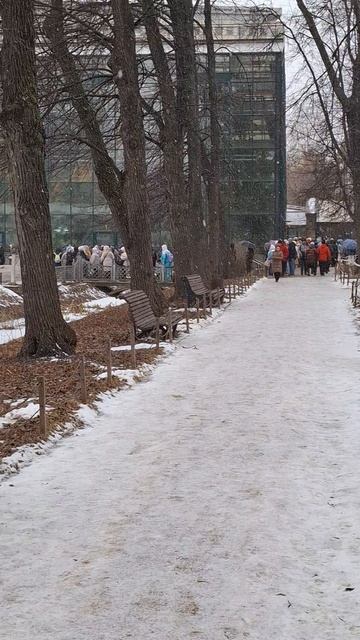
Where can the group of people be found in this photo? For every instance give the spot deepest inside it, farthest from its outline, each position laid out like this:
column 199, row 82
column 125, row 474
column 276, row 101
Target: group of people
column 105, row 257
column 284, row 256
column 96, row 257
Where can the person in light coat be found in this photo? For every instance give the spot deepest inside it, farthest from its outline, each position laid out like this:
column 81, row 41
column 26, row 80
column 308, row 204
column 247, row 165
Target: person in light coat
column 277, row 262
column 107, row 260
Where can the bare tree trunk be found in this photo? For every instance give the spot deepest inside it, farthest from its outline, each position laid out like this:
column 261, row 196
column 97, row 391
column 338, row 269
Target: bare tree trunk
column 216, row 211
column 181, row 13
column 181, row 217
column 125, row 192
column 46, row 331
column 125, row 72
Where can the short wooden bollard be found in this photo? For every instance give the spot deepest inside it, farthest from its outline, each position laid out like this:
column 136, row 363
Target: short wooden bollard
column 133, row 350
column 197, row 311
column 42, row 407
column 238, row 286
column 210, row 304
column 109, row 363
column 187, row 317
column 234, row 290
column 84, row 396
column 229, row 292
column 218, row 298
column 157, row 334
column 170, row 326
column 204, row 306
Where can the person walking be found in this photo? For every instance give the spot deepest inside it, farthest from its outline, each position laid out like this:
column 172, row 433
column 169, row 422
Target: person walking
column 311, row 259
column 285, row 251
column 302, row 257
column 277, row 261
column 292, row 256
column 324, row 256
column 334, row 252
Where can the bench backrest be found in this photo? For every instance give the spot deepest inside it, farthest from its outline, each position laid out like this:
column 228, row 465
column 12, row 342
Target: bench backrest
column 140, row 309
column 196, row 284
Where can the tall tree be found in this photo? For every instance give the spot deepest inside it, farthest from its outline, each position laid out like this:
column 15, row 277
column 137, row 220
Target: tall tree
column 125, row 72
column 182, row 22
column 46, row 331
column 333, row 28
column 216, row 212
column 124, row 191
column 172, row 145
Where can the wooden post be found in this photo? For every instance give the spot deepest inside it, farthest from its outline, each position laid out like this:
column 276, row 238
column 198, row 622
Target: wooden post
column 197, row 311
column 218, row 298
column 84, row 397
column 170, row 326
column 238, row 285
column 204, row 306
column 187, row 317
column 210, row 303
column 133, row 350
column 229, row 292
column 109, row 363
column 157, row 335
column 42, row 407
column 234, row 290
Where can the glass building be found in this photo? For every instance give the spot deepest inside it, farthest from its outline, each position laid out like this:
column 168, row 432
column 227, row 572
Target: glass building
column 251, row 81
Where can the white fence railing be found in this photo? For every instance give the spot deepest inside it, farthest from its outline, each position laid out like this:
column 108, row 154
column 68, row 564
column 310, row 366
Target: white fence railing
column 82, row 271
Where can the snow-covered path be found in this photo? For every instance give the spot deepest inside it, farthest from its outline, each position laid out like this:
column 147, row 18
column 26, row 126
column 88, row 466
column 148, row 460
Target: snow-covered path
column 220, row 499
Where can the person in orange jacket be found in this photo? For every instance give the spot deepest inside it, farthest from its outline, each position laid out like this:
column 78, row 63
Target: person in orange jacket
column 324, row 256
column 285, row 251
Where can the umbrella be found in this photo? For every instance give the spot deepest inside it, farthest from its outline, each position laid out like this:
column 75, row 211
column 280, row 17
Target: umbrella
column 247, row 243
column 349, row 246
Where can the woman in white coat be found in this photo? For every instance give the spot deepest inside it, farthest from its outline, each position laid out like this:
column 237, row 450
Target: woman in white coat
column 107, row 260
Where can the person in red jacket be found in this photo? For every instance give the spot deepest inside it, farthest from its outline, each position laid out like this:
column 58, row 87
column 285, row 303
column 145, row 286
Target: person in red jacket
column 324, row 256
column 285, row 251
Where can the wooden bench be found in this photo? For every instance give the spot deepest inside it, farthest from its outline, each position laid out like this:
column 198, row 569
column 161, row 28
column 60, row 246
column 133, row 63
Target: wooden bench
column 143, row 317
column 196, row 290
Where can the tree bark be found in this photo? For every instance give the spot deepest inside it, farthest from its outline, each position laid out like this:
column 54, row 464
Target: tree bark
column 216, row 211
column 125, row 191
column 173, row 151
column 125, row 72
column 46, row 332
column 181, row 13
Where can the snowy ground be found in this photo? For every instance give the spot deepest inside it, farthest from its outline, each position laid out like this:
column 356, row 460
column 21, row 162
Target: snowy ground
column 14, row 329
column 220, row 499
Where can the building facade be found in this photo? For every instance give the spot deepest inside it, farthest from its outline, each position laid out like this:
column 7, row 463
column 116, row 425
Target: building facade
column 251, row 80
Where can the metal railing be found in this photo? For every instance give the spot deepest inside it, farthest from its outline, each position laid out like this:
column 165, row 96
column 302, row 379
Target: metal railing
column 82, row 271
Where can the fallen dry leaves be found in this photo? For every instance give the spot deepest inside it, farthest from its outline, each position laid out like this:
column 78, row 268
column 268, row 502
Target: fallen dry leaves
column 20, row 379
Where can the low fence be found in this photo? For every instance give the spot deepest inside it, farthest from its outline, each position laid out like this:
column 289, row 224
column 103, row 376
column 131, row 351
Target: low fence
column 348, row 272
column 82, row 271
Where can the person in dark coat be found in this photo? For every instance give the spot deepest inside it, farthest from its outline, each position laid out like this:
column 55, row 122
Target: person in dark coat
column 311, row 259
column 2, row 256
column 249, row 259
column 292, row 257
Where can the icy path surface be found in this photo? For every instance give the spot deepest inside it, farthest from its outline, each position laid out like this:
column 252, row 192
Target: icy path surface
column 220, row 499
